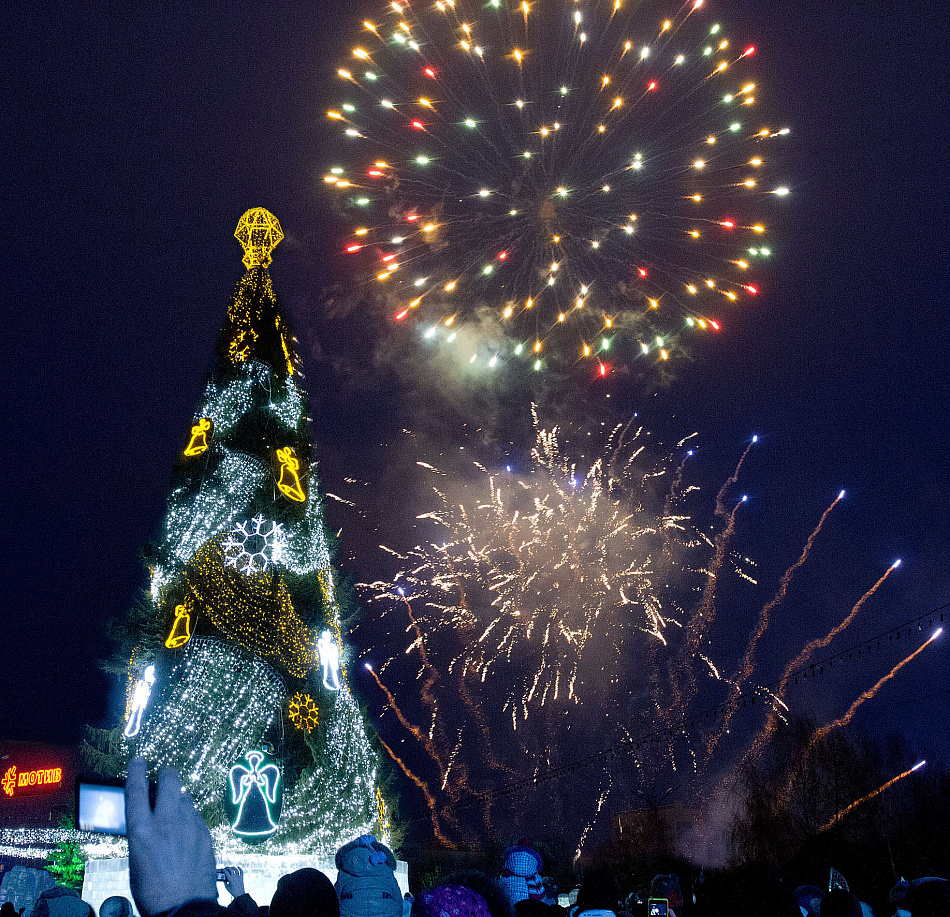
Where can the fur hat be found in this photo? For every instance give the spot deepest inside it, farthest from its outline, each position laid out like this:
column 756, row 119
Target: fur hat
column 365, row 883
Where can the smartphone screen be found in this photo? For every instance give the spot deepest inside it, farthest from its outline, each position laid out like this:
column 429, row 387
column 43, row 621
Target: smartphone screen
column 658, row 907
column 100, row 807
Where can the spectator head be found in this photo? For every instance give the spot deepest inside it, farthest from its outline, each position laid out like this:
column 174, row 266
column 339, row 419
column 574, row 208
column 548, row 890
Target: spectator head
column 839, row 903
column 667, row 886
column 487, row 888
column 366, row 882
column 304, row 893
column 929, row 899
column 116, row 906
column 809, row 898
column 60, row 901
column 457, row 900
column 598, row 892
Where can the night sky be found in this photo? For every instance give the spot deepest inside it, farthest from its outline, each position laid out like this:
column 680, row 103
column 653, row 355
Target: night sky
column 135, row 140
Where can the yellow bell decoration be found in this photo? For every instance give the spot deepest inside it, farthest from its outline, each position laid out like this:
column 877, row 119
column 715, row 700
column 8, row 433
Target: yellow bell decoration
column 289, row 482
column 199, row 437
column 181, row 629
column 259, row 233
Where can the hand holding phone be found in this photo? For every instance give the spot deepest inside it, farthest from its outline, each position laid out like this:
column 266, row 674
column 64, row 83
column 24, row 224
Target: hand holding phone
column 658, row 907
column 233, row 879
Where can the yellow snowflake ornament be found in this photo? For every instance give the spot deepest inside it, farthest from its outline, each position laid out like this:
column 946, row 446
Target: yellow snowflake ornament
column 303, row 712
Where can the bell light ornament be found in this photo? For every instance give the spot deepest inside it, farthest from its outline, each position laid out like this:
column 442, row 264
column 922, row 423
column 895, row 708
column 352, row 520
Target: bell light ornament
column 199, row 438
column 289, row 482
column 181, row 629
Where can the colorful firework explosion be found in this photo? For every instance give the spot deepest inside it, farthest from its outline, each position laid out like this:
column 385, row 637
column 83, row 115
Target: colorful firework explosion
column 550, row 175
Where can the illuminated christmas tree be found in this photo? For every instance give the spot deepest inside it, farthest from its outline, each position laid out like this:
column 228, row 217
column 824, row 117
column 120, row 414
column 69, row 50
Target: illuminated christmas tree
column 238, row 671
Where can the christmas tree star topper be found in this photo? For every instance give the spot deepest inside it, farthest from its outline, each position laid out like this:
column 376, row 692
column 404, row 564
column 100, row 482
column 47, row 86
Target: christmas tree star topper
column 259, row 233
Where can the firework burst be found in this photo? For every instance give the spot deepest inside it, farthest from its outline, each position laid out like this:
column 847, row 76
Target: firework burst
column 564, row 609
column 528, row 180
column 546, row 579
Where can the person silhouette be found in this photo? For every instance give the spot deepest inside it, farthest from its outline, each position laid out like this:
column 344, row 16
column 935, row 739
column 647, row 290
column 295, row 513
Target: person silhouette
column 140, row 696
column 330, row 660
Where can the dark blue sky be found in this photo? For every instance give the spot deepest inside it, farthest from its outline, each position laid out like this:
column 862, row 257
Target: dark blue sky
column 135, row 140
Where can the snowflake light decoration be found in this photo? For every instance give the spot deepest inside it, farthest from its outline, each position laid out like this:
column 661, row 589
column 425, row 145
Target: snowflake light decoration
column 252, row 547
column 303, row 712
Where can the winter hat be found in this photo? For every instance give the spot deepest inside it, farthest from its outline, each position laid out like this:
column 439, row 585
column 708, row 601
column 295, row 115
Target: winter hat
column 116, row 906
column 839, row 903
column 598, row 892
column 522, row 861
column 809, row 897
column 450, row 901
column 365, row 882
column 304, row 893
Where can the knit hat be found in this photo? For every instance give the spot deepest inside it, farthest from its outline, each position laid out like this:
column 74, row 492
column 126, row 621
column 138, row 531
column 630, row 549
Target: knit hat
column 522, row 861
column 450, row 901
column 304, row 893
column 365, row 882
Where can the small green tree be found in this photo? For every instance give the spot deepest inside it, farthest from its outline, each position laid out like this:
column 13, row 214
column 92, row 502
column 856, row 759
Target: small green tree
column 66, row 862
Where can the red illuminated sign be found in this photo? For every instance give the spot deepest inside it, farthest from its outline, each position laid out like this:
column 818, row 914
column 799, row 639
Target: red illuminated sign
column 45, row 779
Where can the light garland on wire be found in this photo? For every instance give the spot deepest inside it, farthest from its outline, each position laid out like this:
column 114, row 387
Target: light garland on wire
column 288, row 407
column 217, row 704
column 222, row 498
column 255, row 611
column 38, row 843
column 337, row 797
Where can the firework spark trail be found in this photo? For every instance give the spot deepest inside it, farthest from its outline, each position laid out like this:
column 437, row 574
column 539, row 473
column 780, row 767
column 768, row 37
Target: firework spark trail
column 822, row 731
column 424, row 740
column 842, row 812
column 436, row 828
column 774, row 717
column 600, row 804
column 538, row 585
column 741, row 678
column 698, row 628
column 431, row 674
column 428, row 698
